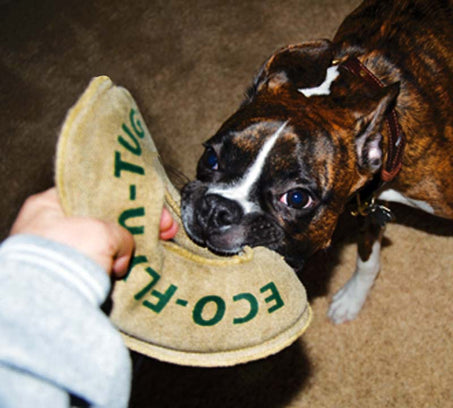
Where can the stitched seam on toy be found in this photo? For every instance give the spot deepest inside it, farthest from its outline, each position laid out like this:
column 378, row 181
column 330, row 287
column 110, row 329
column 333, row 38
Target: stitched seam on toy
column 172, row 203
column 247, row 256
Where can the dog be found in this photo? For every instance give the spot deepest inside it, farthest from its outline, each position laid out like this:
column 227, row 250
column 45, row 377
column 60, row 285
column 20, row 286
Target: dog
column 362, row 118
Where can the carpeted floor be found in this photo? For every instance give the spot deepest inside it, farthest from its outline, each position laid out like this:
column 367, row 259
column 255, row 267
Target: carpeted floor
column 187, row 63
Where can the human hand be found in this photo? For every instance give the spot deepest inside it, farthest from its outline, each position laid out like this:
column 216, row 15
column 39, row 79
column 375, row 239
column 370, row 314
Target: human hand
column 106, row 243
column 168, row 226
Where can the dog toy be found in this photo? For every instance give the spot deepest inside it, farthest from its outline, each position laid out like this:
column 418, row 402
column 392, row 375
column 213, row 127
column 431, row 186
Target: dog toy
column 179, row 302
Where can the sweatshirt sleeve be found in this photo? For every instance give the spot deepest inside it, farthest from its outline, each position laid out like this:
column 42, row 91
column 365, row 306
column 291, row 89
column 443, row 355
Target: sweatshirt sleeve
column 55, row 341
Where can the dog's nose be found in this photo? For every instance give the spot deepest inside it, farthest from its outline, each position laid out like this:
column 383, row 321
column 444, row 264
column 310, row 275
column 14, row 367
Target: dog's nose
column 217, row 212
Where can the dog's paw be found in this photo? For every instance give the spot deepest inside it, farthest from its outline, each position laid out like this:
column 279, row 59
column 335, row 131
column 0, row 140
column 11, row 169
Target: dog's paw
column 347, row 302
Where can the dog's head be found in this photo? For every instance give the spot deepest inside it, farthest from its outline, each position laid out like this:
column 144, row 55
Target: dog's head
column 280, row 170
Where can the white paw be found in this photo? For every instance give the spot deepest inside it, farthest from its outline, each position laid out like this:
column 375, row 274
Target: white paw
column 348, row 301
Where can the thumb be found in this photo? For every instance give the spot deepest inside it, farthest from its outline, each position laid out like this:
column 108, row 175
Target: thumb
column 123, row 246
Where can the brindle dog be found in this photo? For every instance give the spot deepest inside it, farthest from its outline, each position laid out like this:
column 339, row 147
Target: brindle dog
column 366, row 115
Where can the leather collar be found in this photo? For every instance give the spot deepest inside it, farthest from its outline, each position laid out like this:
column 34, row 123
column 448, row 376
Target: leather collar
column 396, row 137
column 366, row 198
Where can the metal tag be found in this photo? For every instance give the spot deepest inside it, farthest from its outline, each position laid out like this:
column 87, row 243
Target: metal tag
column 381, row 214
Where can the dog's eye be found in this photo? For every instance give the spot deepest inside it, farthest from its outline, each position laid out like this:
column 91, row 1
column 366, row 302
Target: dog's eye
column 210, row 158
column 297, row 198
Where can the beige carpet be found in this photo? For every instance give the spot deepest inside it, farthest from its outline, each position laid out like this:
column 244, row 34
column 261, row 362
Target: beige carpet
column 188, row 63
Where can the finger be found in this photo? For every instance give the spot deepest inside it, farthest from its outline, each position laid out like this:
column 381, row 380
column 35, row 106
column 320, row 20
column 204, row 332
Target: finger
column 124, row 248
column 166, row 220
column 170, row 232
column 168, row 226
column 48, row 198
column 35, row 212
column 51, row 195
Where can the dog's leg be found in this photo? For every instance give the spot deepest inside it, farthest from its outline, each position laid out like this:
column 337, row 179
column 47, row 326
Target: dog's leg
column 348, row 301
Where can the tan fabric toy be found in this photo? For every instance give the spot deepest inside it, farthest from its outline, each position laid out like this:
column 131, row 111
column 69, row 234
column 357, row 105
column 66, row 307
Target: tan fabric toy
column 179, row 303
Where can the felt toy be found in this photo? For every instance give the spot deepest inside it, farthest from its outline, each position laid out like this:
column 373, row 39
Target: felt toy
column 179, row 302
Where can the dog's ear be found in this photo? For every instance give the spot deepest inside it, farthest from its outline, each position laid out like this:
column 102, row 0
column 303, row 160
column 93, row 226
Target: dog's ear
column 301, row 66
column 368, row 128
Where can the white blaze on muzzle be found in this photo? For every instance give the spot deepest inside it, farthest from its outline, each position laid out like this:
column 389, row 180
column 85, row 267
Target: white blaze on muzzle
column 240, row 191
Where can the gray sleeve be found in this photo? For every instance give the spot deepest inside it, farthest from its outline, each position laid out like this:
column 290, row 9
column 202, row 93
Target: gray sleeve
column 53, row 336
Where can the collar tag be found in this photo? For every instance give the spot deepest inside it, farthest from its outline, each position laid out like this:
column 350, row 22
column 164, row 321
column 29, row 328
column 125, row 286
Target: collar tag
column 380, row 214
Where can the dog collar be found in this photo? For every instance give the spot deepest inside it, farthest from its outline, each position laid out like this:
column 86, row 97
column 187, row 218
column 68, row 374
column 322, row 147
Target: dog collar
column 366, row 205
column 396, row 138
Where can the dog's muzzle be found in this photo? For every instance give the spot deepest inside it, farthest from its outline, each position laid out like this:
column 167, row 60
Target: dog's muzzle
column 216, row 213
column 221, row 223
